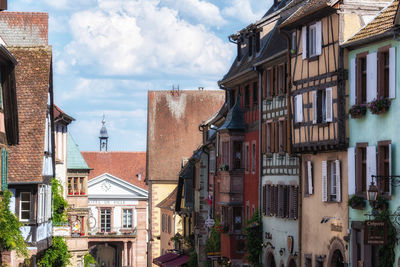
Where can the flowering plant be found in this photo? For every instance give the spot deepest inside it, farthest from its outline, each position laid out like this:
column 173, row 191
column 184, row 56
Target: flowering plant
column 357, row 111
column 380, row 105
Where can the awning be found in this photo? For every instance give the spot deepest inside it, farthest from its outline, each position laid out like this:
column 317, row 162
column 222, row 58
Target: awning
column 176, row 262
column 164, row 258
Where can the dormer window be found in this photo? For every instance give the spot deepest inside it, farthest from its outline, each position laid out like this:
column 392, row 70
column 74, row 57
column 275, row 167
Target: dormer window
column 311, row 40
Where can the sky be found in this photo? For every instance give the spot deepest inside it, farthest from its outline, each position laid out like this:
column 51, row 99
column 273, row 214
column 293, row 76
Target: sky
column 108, row 53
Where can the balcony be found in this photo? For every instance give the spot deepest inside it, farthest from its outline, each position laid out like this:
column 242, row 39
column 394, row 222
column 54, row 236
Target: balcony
column 113, row 232
column 232, row 186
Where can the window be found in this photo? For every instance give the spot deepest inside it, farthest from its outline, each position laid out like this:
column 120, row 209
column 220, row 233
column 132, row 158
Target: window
column 255, row 93
column 247, row 97
column 247, row 160
column 269, row 137
column 169, row 224
column 384, row 166
column 225, row 152
column 212, row 161
column 237, row 218
column 293, row 45
column 268, row 84
column 76, row 186
column 331, row 181
column 308, row 178
column 105, row 220
column 322, row 106
column 383, row 72
column 253, row 158
column 308, row 261
column 361, row 168
column 127, row 218
column 311, row 40
column 238, row 155
column 281, row 79
column 282, row 136
column 257, row 42
column 361, row 79
column 281, row 201
column 25, row 206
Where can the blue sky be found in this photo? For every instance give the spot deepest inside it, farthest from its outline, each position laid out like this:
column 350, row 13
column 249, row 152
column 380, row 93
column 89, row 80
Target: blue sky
column 108, row 53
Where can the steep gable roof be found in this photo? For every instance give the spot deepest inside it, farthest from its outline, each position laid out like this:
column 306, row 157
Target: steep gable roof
column 173, row 128
column 32, row 76
column 75, row 161
column 169, row 202
column 381, row 24
column 124, row 165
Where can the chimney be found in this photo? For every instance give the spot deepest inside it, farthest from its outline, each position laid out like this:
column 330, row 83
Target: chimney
column 3, row 5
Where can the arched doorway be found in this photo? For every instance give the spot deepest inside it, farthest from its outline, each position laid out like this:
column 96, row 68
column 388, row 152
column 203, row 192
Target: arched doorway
column 337, row 259
column 292, row 263
column 270, row 260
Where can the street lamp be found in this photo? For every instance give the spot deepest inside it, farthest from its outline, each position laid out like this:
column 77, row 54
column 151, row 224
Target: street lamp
column 372, row 192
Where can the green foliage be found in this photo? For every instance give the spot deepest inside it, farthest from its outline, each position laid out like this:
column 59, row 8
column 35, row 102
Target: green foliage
column 59, row 203
column 10, row 234
column 193, row 259
column 386, row 252
column 89, row 259
column 356, row 202
column 253, row 232
column 56, row 255
column 213, row 243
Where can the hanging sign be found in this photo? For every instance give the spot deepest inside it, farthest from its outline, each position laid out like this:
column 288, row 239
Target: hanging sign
column 209, row 222
column 375, row 233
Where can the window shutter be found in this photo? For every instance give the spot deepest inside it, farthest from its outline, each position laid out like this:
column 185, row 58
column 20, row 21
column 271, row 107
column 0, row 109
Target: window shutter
column 392, row 72
column 310, row 178
column 50, row 202
column 264, row 200
column 264, row 138
column 304, row 41
column 276, row 135
column 324, row 181
column 293, row 205
column 371, row 164
column 269, row 137
column 329, row 110
column 338, row 182
column 351, row 169
column 39, row 205
column 275, row 201
column 287, row 201
column 318, row 48
column 314, row 106
column 372, row 81
column 299, row 108
column 353, row 81
column 268, row 200
column 390, row 168
column 3, row 172
column 284, row 137
column 280, row 201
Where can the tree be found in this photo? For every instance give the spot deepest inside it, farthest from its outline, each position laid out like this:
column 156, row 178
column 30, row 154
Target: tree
column 10, row 234
column 56, row 255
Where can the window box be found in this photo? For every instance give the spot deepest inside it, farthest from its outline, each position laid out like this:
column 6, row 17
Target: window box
column 356, row 202
column 358, row 111
column 379, row 106
column 82, row 193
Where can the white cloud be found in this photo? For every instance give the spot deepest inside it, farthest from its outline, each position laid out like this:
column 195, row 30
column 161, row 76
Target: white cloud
column 244, row 10
column 201, row 11
column 141, row 37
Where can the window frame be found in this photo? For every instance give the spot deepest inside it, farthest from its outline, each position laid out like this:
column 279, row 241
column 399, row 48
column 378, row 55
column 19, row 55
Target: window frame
column 125, row 218
column 312, row 43
column 20, row 206
column 361, row 168
column 103, row 209
column 384, row 167
column 361, row 78
column 383, row 72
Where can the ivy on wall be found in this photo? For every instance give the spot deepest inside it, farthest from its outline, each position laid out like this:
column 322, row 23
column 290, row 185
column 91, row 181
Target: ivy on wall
column 10, row 234
column 56, row 255
column 386, row 252
column 254, row 233
column 59, row 203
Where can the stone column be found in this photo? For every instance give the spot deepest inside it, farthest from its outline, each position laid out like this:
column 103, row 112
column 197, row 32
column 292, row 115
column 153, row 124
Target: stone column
column 125, row 254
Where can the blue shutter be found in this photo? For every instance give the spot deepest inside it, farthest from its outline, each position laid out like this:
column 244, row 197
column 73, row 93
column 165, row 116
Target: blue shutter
column 6, row 174
column 3, row 170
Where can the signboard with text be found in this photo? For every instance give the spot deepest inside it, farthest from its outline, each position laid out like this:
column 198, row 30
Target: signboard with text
column 375, row 233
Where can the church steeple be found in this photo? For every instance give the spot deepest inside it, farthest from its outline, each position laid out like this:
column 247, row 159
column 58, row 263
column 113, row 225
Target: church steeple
column 103, row 136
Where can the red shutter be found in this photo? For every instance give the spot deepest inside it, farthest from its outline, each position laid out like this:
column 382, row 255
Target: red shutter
column 287, row 201
column 276, row 135
column 264, row 138
column 264, row 200
column 268, row 200
column 295, row 202
column 281, row 200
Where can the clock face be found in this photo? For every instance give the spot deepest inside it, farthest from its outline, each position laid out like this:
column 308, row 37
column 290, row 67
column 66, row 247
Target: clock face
column 92, row 222
column 106, row 186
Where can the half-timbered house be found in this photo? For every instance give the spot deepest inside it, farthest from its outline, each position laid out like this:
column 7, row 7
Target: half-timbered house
column 318, row 121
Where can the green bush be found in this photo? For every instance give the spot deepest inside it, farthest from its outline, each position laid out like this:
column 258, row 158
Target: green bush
column 59, row 203
column 193, row 259
column 56, row 255
column 254, row 233
column 213, row 243
column 89, row 259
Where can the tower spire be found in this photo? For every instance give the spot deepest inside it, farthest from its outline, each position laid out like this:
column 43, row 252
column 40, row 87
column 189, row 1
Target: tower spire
column 103, row 135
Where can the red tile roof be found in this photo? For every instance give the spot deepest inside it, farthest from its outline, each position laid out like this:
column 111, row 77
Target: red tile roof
column 382, row 23
column 60, row 115
column 173, row 128
column 124, row 165
column 32, row 81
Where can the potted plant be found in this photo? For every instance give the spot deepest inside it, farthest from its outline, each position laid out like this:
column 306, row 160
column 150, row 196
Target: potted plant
column 357, row 202
column 357, row 111
column 379, row 106
column 224, row 167
column 380, row 203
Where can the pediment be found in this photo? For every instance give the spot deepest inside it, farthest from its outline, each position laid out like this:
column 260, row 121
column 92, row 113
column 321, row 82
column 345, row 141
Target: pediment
column 109, row 186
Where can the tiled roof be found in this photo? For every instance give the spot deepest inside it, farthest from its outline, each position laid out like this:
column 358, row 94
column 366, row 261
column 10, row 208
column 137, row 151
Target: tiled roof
column 32, row 81
column 382, row 23
column 235, row 118
column 124, row 165
column 305, row 8
column 24, row 28
column 169, row 202
column 173, row 128
column 58, row 115
column 75, row 161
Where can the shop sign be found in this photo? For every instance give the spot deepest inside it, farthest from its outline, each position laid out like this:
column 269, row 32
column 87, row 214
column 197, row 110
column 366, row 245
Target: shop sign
column 375, row 233
column 61, row 231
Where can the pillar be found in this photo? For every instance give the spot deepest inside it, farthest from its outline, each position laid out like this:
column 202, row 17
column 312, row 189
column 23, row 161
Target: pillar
column 125, row 254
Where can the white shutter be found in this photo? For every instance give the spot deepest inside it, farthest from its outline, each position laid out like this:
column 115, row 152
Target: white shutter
column 49, row 202
column 372, row 80
column 310, row 178
column 352, row 81
column 390, row 169
column 371, row 164
column 39, row 205
column 328, row 106
column 392, row 72
column 304, row 41
column 338, row 182
column 324, row 181
column 351, row 169
column 314, row 106
column 299, row 108
column 318, row 48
